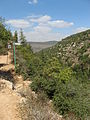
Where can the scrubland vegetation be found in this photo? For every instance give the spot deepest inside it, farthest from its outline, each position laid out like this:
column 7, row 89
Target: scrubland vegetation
column 61, row 72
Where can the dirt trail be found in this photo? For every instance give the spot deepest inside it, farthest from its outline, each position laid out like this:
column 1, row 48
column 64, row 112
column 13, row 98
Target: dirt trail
column 5, row 59
column 9, row 105
column 9, row 98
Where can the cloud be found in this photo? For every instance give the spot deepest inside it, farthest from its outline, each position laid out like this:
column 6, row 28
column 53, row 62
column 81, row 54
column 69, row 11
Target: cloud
column 42, row 19
column 60, row 24
column 21, row 23
column 47, row 20
column 33, row 2
column 35, row 36
column 40, row 28
column 81, row 29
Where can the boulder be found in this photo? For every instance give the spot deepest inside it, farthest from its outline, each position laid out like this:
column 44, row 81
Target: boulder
column 6, row 84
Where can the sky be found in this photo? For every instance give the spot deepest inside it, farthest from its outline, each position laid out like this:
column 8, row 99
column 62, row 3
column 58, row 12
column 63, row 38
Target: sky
column 46, row 20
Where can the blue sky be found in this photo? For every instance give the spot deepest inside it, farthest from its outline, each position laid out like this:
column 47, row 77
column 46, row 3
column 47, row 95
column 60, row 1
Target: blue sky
column 45, row 20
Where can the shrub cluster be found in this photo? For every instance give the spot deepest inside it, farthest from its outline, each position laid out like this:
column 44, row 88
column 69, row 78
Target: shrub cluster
column 67, row 86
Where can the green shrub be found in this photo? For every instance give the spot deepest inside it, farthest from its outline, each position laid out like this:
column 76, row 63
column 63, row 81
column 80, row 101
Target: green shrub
column 70, row 98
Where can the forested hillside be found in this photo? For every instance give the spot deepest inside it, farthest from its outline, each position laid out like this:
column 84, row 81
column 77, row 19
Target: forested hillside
column 61, row 72
column 73, row 51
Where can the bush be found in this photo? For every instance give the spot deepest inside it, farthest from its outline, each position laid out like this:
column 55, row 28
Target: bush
column 41, row 84
column 37, row 108
column 68, row 99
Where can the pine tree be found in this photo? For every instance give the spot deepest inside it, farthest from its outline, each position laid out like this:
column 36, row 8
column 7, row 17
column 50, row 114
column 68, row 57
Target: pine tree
column 22, row 37
column 5, row 36
column 15, row 36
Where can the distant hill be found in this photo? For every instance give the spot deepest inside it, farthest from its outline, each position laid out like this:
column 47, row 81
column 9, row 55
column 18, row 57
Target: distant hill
column 37, row 46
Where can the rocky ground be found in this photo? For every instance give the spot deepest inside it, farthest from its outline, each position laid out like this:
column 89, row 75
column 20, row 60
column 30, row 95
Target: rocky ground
column 10, row 86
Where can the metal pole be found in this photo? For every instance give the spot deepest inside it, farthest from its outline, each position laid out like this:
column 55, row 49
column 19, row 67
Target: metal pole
column 7, row 57
column 14, row 54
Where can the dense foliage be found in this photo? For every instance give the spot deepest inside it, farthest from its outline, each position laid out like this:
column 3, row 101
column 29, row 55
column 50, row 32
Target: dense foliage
column 5, row 36
column 22, row 37
column 15, row 37
column 62, row 72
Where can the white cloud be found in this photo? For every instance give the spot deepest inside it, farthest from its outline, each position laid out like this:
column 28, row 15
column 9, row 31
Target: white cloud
column 40, row 37
column 60, row 24
column 33, row 16
column 33, row 2
column 81, row 29
column 42, row 19
column 21, row 23
column 40, row 28
column 47, row 20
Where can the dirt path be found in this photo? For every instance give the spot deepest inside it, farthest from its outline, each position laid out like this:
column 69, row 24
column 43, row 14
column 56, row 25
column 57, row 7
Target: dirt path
column 5, row 59
column 9, row 105
column 9, row 99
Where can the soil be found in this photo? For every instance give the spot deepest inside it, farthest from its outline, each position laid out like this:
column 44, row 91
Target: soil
column 9, row 99
column 9, row 105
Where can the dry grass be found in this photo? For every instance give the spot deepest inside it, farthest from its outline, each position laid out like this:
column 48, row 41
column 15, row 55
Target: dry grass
column 36, row 108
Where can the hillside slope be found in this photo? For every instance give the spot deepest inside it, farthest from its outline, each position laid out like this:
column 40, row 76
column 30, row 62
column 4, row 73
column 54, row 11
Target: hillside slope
column 73, row 51
column 72, row 48
column 62, row 73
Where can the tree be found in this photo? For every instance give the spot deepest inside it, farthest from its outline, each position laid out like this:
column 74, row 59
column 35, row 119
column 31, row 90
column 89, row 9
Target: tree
column 15, row 37
column 22, row 37
column 5, row 36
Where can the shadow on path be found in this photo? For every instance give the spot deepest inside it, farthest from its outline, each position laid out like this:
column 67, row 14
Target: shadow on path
column 1, row 65
column 7, row 75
